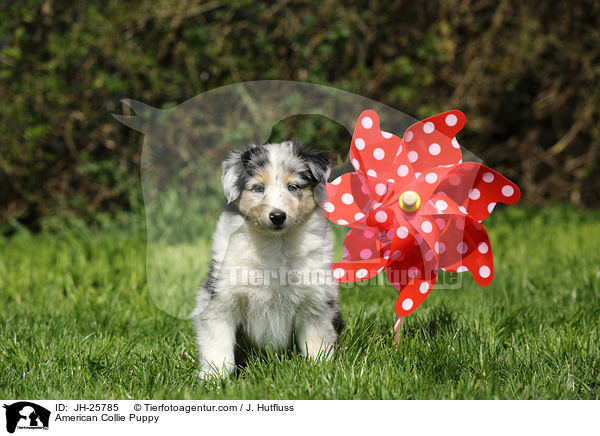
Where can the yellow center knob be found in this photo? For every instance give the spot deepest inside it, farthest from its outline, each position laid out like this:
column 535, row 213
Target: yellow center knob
column 409, row 201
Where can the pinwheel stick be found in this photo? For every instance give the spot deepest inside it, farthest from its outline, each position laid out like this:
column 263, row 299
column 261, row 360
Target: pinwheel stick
column 398, row 327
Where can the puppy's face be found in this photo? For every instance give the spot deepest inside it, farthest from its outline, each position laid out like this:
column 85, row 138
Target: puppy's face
column 274, row 185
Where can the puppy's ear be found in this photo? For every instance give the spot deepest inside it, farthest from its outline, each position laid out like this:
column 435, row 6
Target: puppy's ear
column 318, row 162
column 233, row 176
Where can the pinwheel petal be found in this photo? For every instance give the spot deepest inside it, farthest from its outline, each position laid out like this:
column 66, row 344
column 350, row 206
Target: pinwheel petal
column 427, row 236
column 403, row 172
column 465, row 246
column 372, row 150
column 440, row 204
column 363, row 256
column 432, row 141
column 381, row 218
column 412, row 295
column 425, row 183
column 414, row 277
column 477, row 188
column 348, row 200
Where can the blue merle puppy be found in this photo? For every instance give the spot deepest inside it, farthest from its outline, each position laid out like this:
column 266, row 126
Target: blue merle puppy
column 270, row 282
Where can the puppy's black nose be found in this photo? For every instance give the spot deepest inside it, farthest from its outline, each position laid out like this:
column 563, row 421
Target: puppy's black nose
column 277, row 218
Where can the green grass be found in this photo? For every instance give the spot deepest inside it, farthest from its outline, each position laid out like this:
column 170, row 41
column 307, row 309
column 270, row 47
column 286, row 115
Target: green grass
column 77, row 321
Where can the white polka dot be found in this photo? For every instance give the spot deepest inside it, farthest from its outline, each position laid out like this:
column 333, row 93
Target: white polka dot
column 391, row 180
column 372, row 173
column 367, row 122
column 368, row 234
column 338, row 273
column 381, row 217
column 462, row 269
column 345, row 252
column 460, row 224
column 462, row 209
column 347, row 199
column 436, row 247
column 474, row 194
column 364, row 189
column 440, row 223
column 462, row 248
column 417, row 175
column 360, row 143
column 424, row 288
column 402, row 232
column 455, row 180
column 361, row 273
column 426, row 227
column 396, row 254
column 342, row 222
column 451, row 120
column 507, row 191
column 429, row 255
column 413, row 156
column 386, row 254
column 359, row 216
column 488, row 177
column 483, row 247
column 407, row 304
column 376, row 205
column 455, row 143
column 435, row 149
column 355, row 164
column 428, row 127
column 380, row 189
column 442, row 248
column 431, row 178
column 365, row 254
column 399, row 151
column 491, row 207
column 386, row 135
column 441, row 205
column 378, row 153
column 484, row 271
column 337, row 181
column 402, row 170
column 409, row 136
column 329, row 207
column 413, row 272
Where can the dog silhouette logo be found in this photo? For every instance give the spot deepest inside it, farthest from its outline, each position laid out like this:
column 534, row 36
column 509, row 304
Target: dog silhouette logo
column 26, row 415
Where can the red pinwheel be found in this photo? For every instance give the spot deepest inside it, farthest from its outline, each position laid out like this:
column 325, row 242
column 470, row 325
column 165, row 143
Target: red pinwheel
column 413, row 207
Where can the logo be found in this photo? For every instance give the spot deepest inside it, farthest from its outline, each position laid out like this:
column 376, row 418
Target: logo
column 26, row 415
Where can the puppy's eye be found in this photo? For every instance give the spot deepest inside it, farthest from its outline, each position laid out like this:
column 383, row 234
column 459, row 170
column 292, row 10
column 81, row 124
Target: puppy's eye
column 259, row 188
column 292, row 188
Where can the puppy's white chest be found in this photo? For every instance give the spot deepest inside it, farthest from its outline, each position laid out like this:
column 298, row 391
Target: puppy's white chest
column 272, row 285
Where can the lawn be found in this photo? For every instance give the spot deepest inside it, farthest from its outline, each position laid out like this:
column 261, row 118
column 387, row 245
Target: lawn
column 76, row 321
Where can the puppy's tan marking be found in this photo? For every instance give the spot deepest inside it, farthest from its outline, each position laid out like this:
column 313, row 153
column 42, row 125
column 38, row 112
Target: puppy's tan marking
column 263, row 177
column 306, row 203
column 287, row 178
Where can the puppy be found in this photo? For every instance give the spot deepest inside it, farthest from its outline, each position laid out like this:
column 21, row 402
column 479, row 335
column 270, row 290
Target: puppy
column 270, row 282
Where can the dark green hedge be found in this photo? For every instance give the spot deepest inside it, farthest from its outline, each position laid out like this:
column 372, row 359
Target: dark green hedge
column 525, row 73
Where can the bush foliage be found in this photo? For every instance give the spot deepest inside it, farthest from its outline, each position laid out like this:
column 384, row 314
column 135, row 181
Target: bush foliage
column 525, row 73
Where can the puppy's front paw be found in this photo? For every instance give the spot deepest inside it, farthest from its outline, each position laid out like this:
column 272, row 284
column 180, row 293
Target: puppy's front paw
column 211, row 372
